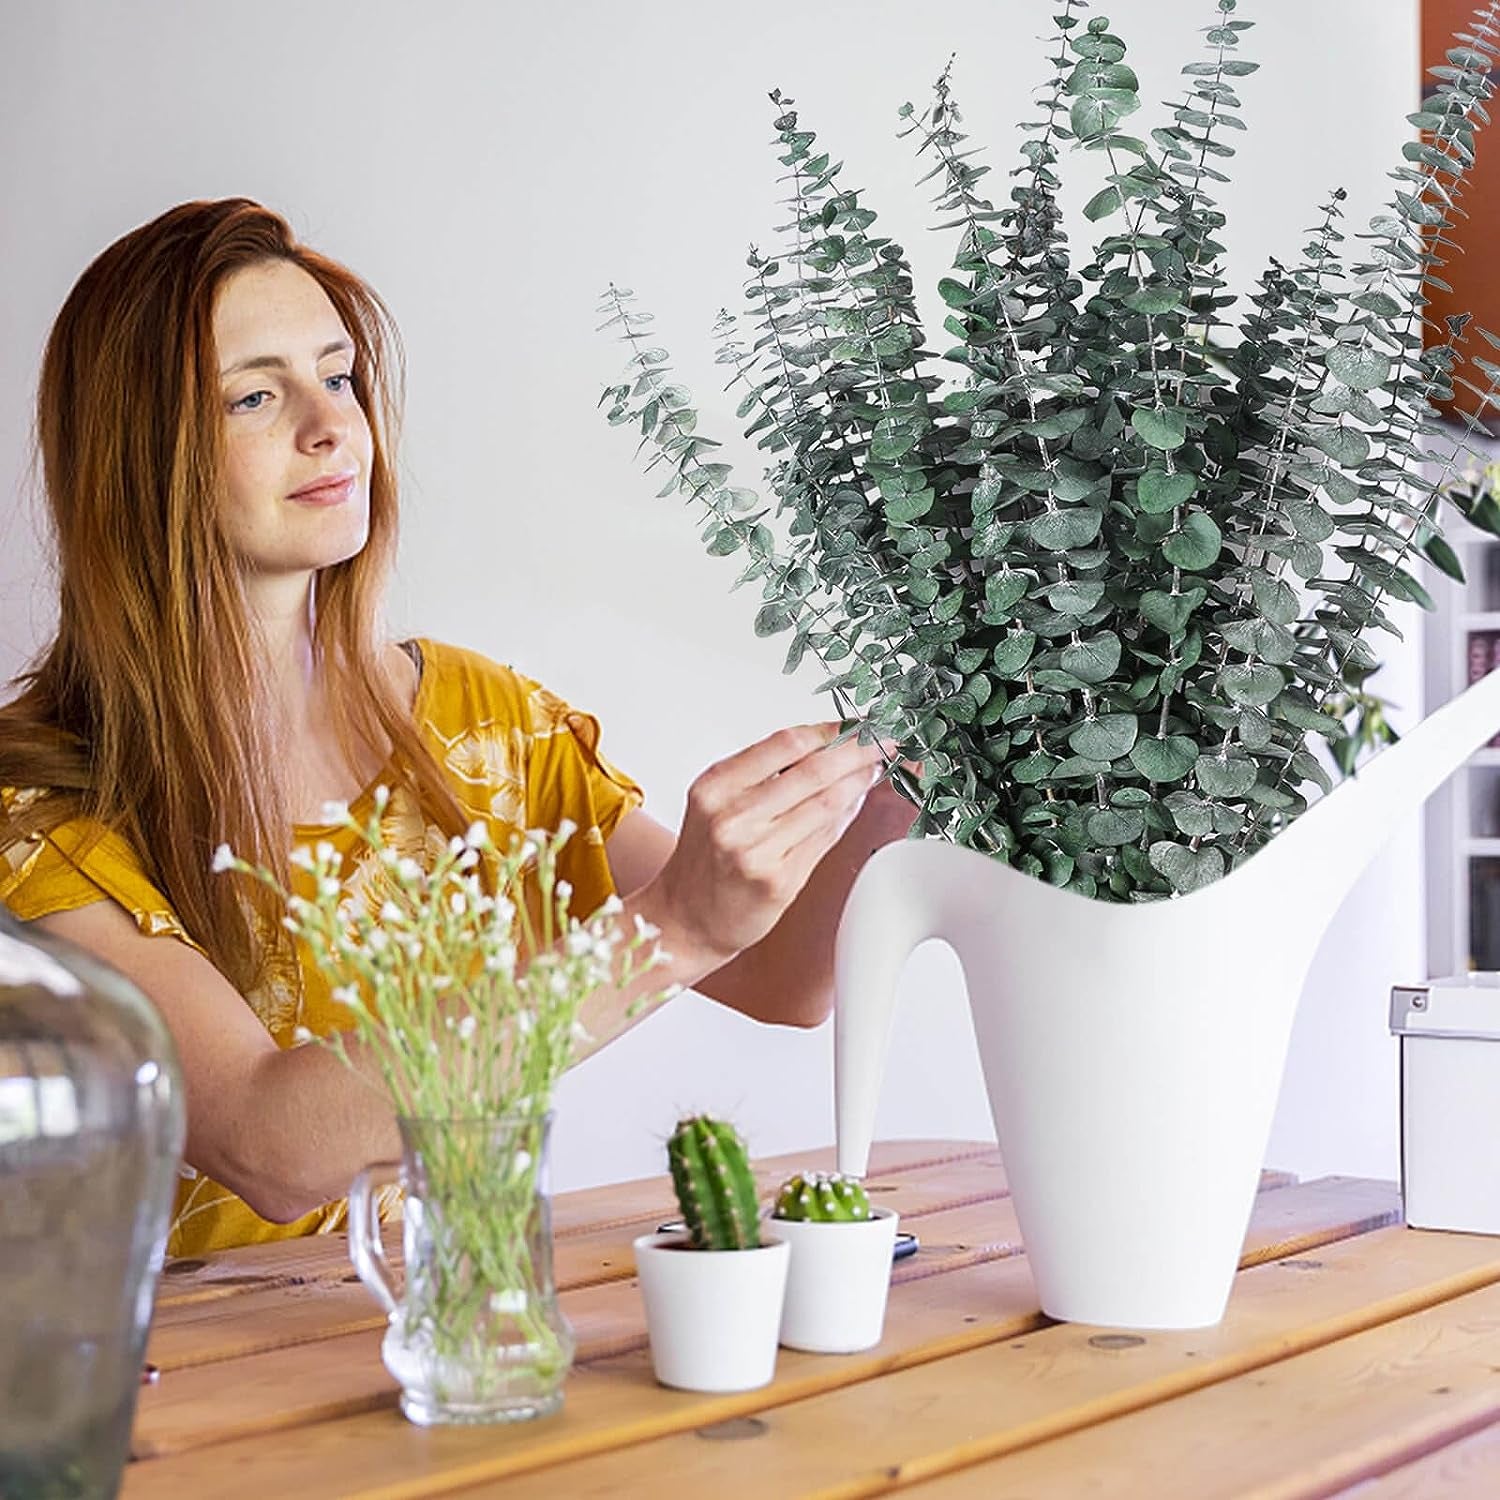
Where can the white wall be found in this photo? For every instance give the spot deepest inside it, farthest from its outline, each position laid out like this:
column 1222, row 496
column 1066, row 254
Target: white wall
column 490, row 167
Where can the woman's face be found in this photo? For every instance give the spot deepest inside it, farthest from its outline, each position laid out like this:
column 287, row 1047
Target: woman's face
column 291, row 423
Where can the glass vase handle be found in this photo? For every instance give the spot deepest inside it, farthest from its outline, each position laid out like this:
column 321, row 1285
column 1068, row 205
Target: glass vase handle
column 366, row 1249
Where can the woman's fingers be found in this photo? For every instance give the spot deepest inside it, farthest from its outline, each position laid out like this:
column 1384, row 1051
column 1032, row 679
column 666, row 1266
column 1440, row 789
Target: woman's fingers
column 780, row 793
column 776, row 753
column 823, row 815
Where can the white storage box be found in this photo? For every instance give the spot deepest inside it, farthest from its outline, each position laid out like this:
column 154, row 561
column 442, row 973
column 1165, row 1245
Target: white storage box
column 1449, row 1032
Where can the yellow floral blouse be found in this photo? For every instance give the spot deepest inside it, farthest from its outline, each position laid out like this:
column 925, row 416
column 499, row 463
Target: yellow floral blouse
column 516, row 757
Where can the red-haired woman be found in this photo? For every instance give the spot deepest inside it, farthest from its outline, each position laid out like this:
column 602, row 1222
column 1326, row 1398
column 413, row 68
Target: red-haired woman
column 216, row 418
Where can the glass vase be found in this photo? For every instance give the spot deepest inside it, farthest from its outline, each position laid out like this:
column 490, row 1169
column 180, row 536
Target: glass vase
column 476, row 1333
column 91, row 1129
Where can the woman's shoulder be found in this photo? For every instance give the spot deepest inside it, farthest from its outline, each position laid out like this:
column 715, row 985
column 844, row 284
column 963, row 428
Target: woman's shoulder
column 461, row 689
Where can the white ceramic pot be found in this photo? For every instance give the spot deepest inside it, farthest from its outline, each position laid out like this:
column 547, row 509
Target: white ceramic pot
column 712, row 1315
column 838, row 1281
column 1132, row 1053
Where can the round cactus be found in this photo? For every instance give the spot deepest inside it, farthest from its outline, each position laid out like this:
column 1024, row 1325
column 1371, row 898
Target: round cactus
column 822, row 1198
column 715, row 1186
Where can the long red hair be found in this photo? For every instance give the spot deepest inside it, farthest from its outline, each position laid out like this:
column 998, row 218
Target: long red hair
column 139, row 715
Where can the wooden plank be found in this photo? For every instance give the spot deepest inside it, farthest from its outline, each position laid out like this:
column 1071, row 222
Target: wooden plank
column 1468, row 1469
column 325, row 1257
column 275, row 1380
column 281, row 1315
column 922, row 1422
column 295, row 1392
column 1339, row 1414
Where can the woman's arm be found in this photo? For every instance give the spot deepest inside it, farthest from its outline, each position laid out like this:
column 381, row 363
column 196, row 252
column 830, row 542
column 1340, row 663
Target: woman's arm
column 787, row 976
column 287, row 1130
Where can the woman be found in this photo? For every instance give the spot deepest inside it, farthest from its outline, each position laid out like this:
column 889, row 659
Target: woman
column 216, row 418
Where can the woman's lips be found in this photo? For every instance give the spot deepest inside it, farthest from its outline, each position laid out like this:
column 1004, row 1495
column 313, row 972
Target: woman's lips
column 334, row 493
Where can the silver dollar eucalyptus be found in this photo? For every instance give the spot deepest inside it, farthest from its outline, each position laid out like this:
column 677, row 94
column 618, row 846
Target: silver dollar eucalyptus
column 1105, row 584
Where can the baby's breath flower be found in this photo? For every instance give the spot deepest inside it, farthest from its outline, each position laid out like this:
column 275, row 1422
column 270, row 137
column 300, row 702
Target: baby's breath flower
column 644, row 929
column 301, row 1036
column 397, row 969
column 334, row 812
column 223, row 859
column 611, row 906
column 565, row 830
column 382, row 797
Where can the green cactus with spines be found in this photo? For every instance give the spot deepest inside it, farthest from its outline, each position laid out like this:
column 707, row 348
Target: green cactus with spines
column 822, row 1198
column 714, row 1183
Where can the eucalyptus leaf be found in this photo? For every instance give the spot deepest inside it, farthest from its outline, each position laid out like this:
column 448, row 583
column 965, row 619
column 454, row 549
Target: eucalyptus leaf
column 1158, row 491
column 1187, row 869
column 1106, row 738
column 1196, row 544
column 1110, row 826
column 1225, row 777
column 1362, row 368
column 1165, row 429
column 1166, row 759
column 1094, row 660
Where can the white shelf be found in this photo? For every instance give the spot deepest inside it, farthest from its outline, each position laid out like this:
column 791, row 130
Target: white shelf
column 1467, row 802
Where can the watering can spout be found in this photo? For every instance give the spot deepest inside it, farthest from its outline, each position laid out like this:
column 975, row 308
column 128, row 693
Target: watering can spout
column 1313, row 865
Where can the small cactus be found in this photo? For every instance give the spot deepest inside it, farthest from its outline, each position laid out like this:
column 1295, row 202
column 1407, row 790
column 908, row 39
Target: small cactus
column 715, row 1187
column 822, row 1198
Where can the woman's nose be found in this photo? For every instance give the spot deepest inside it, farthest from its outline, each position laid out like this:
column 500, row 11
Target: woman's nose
column 325, row 419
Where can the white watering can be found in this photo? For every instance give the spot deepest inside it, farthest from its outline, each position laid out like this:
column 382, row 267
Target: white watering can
column 1132, row 1053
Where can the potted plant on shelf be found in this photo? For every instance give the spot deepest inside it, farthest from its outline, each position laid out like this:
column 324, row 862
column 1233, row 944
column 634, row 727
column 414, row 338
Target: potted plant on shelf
column 463, row 979
column 840, row 1271
column 1105, row 588
column 714, row 1292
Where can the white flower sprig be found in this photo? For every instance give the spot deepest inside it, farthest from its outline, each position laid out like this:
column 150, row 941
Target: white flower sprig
column 469, row 1001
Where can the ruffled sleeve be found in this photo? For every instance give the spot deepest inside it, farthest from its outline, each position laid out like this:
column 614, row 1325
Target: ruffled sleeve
column 76, row 864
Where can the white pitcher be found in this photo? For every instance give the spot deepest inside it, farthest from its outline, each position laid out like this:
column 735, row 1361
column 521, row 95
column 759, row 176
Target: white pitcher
column 1132, row 1052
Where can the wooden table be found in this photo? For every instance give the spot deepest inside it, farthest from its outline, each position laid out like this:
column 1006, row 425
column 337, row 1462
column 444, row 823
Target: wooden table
column 1356, row 1356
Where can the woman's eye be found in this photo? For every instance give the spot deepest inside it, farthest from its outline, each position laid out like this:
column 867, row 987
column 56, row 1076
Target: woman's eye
column 347, row 378
column 252, row 402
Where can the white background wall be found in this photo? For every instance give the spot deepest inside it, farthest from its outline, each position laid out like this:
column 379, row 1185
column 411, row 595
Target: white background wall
column 489, row 167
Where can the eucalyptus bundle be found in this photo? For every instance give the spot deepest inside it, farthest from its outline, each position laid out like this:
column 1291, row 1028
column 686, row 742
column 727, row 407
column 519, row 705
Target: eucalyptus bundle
column 1106, row 583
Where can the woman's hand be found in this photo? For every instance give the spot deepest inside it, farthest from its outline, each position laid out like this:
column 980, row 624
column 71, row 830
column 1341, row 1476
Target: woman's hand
column 756, row 826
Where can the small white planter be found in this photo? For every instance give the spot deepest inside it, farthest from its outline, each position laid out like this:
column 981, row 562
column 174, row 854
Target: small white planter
column 837, row 1285
column 712, row 1315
